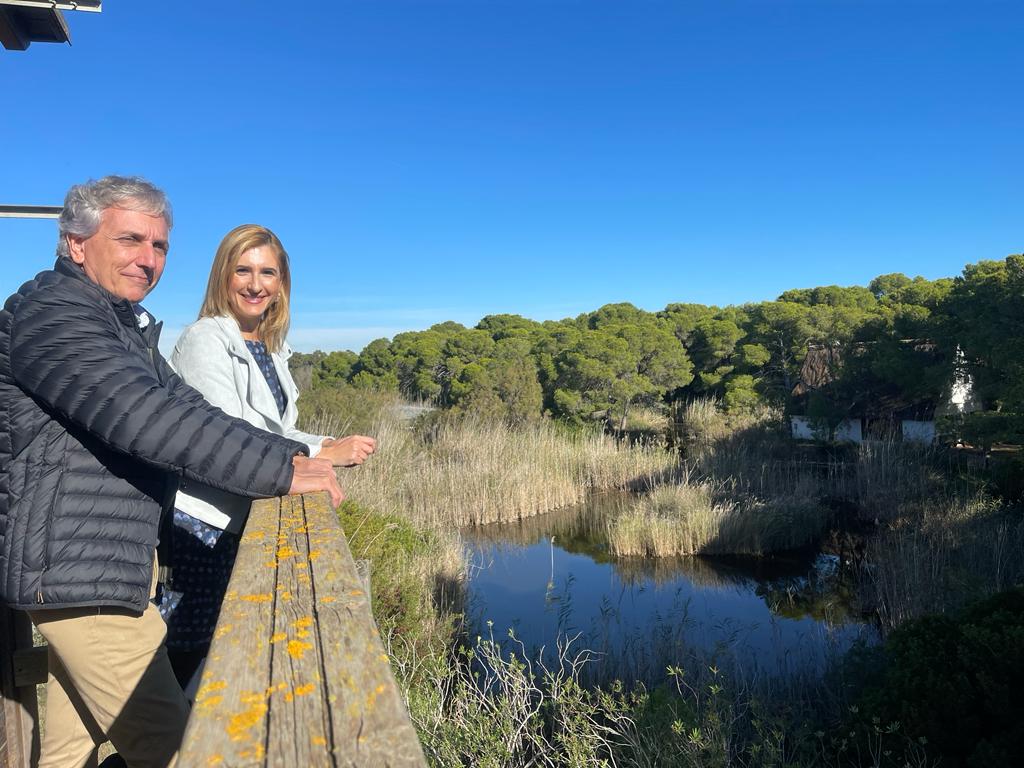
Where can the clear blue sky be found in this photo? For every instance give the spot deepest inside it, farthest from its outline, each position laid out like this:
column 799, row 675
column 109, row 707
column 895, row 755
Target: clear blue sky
column 425, row 161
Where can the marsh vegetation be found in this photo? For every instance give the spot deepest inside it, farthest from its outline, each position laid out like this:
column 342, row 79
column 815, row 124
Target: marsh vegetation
column 909, row 532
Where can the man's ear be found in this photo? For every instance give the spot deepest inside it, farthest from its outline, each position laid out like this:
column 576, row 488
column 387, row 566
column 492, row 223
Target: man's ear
column 76, row 248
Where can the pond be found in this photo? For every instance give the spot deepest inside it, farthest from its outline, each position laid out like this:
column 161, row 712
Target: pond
column 551, row 578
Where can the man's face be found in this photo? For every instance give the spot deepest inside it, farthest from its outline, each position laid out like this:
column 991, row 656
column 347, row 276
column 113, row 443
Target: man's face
column 127, row 253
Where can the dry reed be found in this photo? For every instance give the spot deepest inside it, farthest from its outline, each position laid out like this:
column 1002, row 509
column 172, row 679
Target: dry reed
column 465, row 472
column 936, row 556
column 693, row 518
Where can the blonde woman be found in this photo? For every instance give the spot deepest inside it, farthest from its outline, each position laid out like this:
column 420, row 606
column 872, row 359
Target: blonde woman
column 235, row 354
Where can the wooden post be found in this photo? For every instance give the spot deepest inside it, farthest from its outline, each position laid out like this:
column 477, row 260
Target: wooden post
column 19, row 716
column 297, row 673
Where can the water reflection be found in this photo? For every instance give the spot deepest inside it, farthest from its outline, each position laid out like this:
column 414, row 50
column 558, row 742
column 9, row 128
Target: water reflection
column 553, row 576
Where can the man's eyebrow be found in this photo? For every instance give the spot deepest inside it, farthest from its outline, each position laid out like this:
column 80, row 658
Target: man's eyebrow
column 139, row 236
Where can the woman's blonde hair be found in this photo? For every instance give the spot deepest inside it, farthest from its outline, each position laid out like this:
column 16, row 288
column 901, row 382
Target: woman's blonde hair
column 273, row 325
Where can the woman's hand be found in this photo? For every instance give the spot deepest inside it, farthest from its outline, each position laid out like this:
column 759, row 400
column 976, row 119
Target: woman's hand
column 347, row 451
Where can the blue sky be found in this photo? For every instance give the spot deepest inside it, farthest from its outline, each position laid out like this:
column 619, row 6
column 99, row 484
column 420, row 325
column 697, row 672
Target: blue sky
column 425, row 161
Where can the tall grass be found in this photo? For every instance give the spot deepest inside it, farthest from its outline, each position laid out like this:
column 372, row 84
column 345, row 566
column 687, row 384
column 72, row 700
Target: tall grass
column 463, row 471
column 703, row 422
column 497, row 708
column 695, row 519
column 495, row 705
column 935, row 557
column 417, row 577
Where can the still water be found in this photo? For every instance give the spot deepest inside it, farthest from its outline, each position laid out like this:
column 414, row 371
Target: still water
column 551, row 578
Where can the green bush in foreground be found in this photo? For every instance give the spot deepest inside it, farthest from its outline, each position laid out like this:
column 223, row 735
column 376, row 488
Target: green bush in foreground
column 957, row 683
column 415, row 576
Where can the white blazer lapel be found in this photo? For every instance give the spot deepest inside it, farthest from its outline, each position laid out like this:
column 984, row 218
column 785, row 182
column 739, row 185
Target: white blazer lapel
column 258, row 394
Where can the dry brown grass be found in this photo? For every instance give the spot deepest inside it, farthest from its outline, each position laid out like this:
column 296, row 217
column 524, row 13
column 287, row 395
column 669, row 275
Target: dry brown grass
column 694, row 518
column 463, row 472
column 933, row 556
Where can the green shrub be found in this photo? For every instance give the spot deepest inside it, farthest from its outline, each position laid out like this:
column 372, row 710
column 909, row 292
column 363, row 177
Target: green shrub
column 957, row 683
column 406, row 566
column 340, row 409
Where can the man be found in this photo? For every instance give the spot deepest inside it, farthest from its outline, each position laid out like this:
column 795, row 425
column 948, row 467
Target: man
column 95, row 432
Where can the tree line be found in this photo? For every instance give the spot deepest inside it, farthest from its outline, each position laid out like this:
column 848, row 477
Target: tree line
column 899, row 334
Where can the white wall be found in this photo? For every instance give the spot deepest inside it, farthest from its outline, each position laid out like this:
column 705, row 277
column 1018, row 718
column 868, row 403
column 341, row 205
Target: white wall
column 847, row 432
column 802, row 429
column 918, row 431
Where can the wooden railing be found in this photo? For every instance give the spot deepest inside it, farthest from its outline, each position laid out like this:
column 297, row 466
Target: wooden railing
column 297, row 674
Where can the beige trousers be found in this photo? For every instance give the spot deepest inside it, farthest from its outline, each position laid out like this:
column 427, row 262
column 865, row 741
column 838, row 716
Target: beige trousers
column 109, row 678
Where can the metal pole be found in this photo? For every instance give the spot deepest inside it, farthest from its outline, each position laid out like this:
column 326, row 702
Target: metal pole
column 93, row 6
column 30, row 211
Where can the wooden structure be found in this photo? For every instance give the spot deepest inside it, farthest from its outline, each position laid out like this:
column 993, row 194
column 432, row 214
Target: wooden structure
column 880, row 409
column 297, row 673
column 19, row 738
column 23, row 22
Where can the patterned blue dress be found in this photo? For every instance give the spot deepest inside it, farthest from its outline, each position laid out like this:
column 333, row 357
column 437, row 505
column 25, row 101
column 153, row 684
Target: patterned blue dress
column 203, row 556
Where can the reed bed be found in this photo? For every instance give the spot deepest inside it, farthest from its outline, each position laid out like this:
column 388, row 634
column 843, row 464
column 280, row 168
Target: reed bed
column 695, row 519
column 703, row 422
column 939, row 555
column 468, row 472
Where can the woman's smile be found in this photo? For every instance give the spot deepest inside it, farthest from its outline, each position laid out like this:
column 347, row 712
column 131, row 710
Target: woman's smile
column 255, row 284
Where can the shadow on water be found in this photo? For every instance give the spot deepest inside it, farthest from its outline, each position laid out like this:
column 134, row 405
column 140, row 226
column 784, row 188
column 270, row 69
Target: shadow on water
column 552, row 577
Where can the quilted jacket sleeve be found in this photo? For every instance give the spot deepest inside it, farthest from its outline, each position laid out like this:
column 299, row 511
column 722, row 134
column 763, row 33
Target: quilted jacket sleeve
column 177, row 386
column 75, row 363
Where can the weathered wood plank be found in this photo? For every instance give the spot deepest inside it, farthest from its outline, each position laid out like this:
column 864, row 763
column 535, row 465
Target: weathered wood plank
column 30, row 666
column 228, row 724
column 19, row 714
column 370, row 724
column 299, row 706
column 297, row 673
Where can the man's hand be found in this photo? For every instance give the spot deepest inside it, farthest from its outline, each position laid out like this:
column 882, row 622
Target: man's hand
column 315, row 475
column 348, row 451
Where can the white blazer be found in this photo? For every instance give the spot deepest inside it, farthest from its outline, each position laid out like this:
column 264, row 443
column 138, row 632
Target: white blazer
column 212, row 357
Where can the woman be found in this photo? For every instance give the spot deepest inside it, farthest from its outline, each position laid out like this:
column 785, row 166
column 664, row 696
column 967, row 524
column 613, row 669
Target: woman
column 236, row 356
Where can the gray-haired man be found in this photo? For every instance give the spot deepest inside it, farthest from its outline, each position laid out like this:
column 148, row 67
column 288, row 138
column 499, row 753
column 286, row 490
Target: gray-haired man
column 95, row 430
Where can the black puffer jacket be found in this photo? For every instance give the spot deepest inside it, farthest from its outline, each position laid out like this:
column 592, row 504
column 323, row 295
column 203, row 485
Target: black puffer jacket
column 95, row 430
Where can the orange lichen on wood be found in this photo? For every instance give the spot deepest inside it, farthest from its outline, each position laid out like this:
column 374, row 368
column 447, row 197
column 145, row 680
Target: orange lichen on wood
column 269, row 701
column 208, row 703
column 262, row 598
column 297, row 648
column 256, row 753
column 243, row 721
column 212, row 687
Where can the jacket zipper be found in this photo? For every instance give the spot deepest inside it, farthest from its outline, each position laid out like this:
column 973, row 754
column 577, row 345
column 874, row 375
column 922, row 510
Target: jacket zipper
column 49, row 522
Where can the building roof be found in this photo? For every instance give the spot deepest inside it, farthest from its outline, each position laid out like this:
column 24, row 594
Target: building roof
column 821, row 366
column 824, row 362
column 23, row 22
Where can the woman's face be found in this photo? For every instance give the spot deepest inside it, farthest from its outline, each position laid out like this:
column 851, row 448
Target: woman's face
column 255, row 283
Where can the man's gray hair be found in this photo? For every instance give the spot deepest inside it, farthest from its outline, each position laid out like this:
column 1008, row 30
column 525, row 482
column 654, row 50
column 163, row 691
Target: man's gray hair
column 85, row 202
